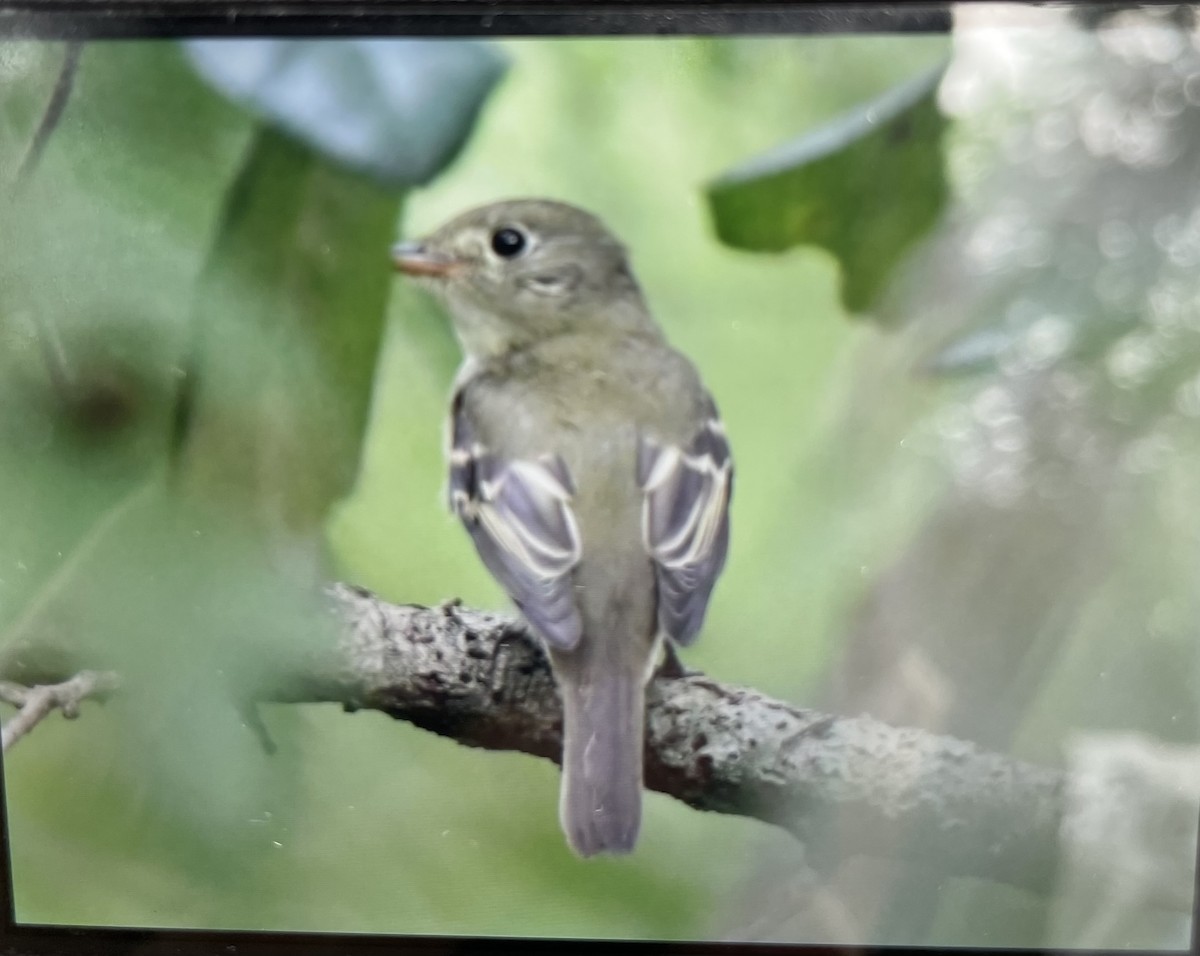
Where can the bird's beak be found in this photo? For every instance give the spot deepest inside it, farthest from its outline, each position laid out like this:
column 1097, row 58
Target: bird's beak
column 415, row 259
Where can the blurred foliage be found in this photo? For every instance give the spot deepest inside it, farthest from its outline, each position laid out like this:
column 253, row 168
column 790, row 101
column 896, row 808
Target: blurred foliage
column 1007, row 554
column 399, row 110
column 192, row 324
column 865, row 186
column 1049, row 589
column 290, row 315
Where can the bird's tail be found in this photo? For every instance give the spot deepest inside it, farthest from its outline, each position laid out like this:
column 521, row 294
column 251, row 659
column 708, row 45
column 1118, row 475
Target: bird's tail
column 601, row 802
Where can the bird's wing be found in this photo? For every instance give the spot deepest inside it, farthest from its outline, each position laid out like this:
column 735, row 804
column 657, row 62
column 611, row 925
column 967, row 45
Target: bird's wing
column 685, row 522
column 519, row 514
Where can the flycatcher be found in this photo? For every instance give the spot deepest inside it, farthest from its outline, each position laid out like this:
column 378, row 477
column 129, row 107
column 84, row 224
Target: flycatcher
column 589, row 466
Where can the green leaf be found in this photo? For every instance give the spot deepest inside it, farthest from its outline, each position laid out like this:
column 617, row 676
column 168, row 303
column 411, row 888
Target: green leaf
column 289, row 321
column 397, row 110
column 95, row 285
column 865, row 186
column 136, row 260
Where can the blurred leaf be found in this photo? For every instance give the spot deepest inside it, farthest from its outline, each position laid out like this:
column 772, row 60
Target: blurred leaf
column 136, row 260
column 94, row 303
column 865, row 186
column 290, row 317
column 399, row 110
column 198, row 620
column 94, row 308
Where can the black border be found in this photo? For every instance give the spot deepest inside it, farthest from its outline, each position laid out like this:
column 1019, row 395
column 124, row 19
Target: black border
column 119, row 19
column 165, row 19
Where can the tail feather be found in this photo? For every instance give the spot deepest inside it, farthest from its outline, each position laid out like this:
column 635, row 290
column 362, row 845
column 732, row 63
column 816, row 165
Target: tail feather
column 601, row 800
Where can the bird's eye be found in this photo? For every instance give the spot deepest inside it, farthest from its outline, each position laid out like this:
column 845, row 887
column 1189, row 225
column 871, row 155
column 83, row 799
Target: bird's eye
column 508, row 242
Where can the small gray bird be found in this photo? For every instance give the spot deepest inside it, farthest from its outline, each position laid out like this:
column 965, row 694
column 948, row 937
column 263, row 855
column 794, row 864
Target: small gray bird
column 589, row 466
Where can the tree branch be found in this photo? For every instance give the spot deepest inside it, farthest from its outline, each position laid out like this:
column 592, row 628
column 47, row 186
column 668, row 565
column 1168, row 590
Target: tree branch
column 842, row 785
column 870, row 788
column 35, row 703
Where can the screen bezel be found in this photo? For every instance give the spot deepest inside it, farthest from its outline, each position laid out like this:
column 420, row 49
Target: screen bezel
column 169, row 19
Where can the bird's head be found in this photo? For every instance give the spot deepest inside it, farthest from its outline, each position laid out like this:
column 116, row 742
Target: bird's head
column 511, row 273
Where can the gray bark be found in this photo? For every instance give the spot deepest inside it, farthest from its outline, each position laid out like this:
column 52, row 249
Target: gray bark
column 482, row 680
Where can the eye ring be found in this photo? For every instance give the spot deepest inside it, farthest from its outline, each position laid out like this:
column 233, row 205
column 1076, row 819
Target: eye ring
column 508, row 242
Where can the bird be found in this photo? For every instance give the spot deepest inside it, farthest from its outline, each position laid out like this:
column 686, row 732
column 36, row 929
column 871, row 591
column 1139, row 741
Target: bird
column 591, row 469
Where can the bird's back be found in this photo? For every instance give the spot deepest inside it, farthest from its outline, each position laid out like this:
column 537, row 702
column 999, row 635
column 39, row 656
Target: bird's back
column 589, row 402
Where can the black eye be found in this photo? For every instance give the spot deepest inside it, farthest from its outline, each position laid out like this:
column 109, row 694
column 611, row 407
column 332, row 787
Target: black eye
column 508, row 242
